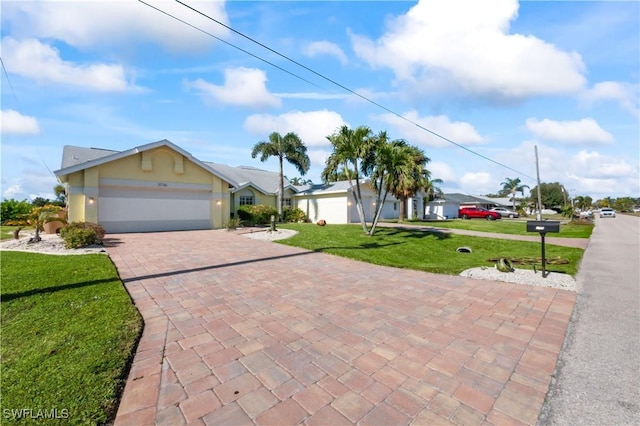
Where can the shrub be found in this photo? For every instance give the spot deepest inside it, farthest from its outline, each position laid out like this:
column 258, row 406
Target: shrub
column 257, row 215
column 294, row 215
column 232, row 224
column 80, row 234
column 13, row 209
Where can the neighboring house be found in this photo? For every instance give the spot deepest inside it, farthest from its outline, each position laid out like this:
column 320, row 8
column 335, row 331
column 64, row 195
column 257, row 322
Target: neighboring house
column 252, row 186
column 447, row 206
column 334, row 203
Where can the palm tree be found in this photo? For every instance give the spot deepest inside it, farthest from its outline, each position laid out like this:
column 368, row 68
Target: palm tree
column 511, row 186
column 408, row 175
column 290, row 148
column 351, row 149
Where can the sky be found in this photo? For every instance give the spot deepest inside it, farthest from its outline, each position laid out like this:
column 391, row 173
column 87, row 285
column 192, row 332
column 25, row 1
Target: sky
column 494, row 78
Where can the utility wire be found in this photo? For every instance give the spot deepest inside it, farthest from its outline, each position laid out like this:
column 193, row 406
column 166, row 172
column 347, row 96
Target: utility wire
column 349, row 90
column 230, row 44
column 10, row 85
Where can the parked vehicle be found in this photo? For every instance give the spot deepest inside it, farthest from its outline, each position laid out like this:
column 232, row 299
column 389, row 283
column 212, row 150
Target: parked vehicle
column 505, row 212
column 477, row 212
column 607, row 212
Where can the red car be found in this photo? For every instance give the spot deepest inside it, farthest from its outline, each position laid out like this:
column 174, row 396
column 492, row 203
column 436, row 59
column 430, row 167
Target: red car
column 477, row 212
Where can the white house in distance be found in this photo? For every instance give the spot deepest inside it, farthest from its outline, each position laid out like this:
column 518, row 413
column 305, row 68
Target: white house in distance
column 447, row 206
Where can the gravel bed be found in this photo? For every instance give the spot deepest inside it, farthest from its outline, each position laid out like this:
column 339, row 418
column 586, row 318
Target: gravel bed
column 266, row 235
column 50, row 244
column 523, row 276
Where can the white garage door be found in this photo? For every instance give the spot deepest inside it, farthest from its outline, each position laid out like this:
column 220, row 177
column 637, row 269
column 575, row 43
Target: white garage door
column 144, row 209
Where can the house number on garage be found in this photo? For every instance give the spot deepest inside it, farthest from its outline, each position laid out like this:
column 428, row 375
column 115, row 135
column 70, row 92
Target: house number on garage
column 162, row 184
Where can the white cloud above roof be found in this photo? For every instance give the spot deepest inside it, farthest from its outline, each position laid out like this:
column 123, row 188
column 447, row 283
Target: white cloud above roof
column 15, row 123
column 312, row 126
column 244, row 87
column 584, row 131
column 94, row 23
column 465, row 46
column 460, row 132
column 41, row 62
column 326, row 48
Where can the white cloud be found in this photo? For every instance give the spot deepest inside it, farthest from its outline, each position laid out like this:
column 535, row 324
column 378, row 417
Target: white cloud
column 14, row 122
column 591, row 164
column 92, row 23
column 625, row 94
column 585, row 131
column 476, row 182
column 442, row 171
column 41, row 62
column 12, row 191
column 317, row 48
column 243, row 87
column 458, row 131
column 312, row 126
column 464, row 45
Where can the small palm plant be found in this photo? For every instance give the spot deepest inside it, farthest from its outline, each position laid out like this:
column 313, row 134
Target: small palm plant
column 36, row 218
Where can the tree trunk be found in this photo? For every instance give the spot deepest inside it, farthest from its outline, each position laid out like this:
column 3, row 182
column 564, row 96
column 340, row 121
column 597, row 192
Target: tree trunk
column 402, row 209
column 280, row 192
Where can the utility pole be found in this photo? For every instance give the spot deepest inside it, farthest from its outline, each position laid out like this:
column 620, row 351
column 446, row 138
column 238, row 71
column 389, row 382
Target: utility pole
column 539, row 214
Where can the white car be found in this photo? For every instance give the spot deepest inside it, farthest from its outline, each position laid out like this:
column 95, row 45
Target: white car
column 505, row 212
column 607, row 212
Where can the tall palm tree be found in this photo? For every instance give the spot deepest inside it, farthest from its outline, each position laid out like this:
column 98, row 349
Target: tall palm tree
column 351, row 148
column 288, row 147
column 511, row 186
column 408, row 175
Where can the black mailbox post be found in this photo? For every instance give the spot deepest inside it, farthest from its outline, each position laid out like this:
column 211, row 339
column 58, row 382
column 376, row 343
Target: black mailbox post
column 542, row 227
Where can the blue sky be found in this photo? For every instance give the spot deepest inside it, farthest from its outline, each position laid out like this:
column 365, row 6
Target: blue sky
column 497, row 77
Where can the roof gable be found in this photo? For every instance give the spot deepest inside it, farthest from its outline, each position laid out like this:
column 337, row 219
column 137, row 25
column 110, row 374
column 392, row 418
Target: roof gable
column 75, row 159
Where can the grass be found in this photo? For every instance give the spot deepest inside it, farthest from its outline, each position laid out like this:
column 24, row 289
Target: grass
column 425, row 251
column 69, row 331
column 6, row 231
column 508, row 226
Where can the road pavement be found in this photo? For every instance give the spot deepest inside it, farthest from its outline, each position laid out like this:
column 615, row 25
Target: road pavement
column 597, row 379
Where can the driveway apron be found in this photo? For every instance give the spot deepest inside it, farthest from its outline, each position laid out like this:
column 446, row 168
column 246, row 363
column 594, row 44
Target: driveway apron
column 241, row 331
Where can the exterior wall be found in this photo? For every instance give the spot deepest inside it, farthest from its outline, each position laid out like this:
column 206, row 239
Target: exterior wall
column 441, row 211
column 161, row 169
column 331, row 207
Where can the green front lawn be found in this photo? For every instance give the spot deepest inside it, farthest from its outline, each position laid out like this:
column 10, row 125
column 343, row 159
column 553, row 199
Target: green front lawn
column 6, row 231
column 421, row 250
column 508, row 226
column 69, row 330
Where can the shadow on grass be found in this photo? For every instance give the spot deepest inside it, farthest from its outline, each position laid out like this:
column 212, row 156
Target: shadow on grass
column 13, row 296
column 413, row 232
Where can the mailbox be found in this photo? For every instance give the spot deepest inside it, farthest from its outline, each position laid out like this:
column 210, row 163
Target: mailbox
column 543, row 226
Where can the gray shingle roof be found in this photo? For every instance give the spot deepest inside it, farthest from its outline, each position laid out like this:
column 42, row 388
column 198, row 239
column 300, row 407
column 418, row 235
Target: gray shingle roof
column 73, row 155
column 262, row 179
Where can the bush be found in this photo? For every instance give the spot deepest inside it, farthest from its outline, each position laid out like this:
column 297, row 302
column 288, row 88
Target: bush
column 257, row 215
column 294, row 215
column 80, row 234
column 14, row 209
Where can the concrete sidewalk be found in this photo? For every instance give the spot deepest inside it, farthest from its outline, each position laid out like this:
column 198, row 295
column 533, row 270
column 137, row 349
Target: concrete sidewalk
column 598, row 376
column 239, row 331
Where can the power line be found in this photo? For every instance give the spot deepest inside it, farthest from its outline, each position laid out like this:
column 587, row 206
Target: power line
column 10, row 85
column 230, row 44
column 346, row 89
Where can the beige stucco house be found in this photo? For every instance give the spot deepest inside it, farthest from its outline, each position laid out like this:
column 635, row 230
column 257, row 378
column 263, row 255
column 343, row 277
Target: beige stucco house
column 161, row 187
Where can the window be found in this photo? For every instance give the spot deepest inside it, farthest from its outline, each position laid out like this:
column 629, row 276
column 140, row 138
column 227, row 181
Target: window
column 287, row 203
column 246, row 200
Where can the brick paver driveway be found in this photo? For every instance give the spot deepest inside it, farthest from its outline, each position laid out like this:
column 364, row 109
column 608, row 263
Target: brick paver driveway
column 240, row 331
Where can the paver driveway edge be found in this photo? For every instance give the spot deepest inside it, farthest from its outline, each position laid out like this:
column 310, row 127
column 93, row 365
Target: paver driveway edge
column 244, row 331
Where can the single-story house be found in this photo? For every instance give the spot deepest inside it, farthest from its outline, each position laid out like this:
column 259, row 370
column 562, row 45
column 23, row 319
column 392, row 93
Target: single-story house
column 447, row 206
column 153, row 187
column 161, row 187
column 334, row 203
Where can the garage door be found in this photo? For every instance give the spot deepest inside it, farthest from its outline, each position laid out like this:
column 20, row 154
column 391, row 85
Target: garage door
column 144, row 209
